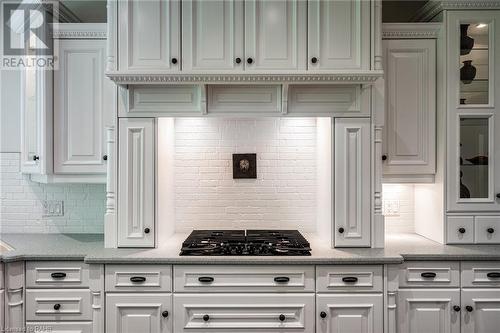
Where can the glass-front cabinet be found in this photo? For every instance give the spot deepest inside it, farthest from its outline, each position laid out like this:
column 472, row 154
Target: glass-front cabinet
column 473, row 67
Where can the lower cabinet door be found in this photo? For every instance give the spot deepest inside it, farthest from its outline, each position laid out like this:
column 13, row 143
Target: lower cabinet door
column 480, row 310
column 244, row 313
column 349, row 313
column 59, row 327
column 428, row 310
column 133, row 313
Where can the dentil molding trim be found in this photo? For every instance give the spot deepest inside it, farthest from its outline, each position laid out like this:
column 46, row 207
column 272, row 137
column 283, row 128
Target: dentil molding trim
column 434, row 7
column 410, row 30
column 79, row 31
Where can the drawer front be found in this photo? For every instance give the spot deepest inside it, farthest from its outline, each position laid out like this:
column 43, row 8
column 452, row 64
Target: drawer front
column 487, row 229
column 64, row 327
column 349, row 278
column 138, row 278
column 57, row 274
column 240, row 99
column 52, row 304
column 460, row 230
column 244, row 313
column 427, row 274
column 233, row 278
column 481, row 274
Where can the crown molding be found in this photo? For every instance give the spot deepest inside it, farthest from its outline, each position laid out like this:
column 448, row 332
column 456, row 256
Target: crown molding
column 410, row 30
column 366, row 77
column 79, row 31
column 434, row 7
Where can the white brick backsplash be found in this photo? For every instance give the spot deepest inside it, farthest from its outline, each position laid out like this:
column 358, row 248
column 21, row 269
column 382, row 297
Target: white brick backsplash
column 21, row 208
column 404, row 222
column 282, row 196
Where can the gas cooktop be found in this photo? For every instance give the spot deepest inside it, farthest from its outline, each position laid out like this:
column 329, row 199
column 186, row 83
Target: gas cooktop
column 245, row 243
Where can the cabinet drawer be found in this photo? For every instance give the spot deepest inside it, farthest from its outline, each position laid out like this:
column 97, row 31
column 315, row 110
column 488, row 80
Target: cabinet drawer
column 487, row 229
column 481, row 274
column 460, row 230
column 234, row 278
column 349, row 278
column 138, row 278
column 52, row 304
column 57, row 274
column 426, row 274
column 244, row 313
column 239, row 99
column 64, row 327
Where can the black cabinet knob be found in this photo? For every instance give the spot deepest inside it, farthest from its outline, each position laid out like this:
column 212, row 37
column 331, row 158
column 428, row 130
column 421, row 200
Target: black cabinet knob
column 498, row 195
column 57, row 306
column 206, row 318
column 36, row 157
column 341, row 230
column 384, row 157
column 490, row 230
column 493, row 275
column 322, row 314
column 238, row 60
column 137, row 279
column 164, row 314
column 314, row 60
column 105, row 157
column 146, row 230
column 428, row 275
column 469, row 308
column 461, row 230
column 456, row 308
column 282, row 279
column 206, row 279
column 282, row 317
column 58, row 275
column 249, row 60
column 174, row 61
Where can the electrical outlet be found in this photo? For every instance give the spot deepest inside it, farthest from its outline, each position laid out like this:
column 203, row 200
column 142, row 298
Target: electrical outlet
column 391, row 208
column 53, row 208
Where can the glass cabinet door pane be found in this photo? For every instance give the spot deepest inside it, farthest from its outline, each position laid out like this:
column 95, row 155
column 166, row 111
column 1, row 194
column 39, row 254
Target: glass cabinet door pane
column 474, row 154
column 474, row 63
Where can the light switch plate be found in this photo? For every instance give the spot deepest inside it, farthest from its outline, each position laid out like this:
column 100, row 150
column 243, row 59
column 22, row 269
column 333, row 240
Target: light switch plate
column 391, row 208
column 53, row 208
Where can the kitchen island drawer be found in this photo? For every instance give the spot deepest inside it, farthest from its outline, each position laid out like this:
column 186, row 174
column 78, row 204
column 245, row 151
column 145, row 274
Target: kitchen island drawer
column 349, row 278
column 235, row 278
column 62, row 327
column 426, row 274
column 244, row 313
column 57, row 305
column 481, row 274
column 138, row 278
column 57, row 274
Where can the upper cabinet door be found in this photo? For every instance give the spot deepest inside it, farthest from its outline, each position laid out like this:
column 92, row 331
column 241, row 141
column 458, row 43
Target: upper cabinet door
column 339, row 35
column 410, row 67
column 149, row 36
column 212, row 35
column 82, row 97
column 275, row 35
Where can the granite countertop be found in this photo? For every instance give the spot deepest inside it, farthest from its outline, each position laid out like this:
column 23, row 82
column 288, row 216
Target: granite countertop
column 90, row 248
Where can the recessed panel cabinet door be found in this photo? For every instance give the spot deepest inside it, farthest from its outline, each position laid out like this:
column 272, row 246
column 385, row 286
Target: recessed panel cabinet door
column 134, row 313
column 349, row 313
column 136, row 169
column 275, row 35
column 428, row 310
column 338, row 34
column 82, row 98
column 484, row 314
column 212, row 35
column 149, row 36
column 352, row 184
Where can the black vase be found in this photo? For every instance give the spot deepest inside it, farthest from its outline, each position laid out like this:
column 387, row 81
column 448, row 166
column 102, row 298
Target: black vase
column 467, row 72
column 466, row 42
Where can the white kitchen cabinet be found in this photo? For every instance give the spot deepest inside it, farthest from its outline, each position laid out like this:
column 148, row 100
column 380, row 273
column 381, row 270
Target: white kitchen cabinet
column 275, row 35
column 410, row 115
column 338, row 35
column 428, row 310
column 212, row 35
column 14, row 295
column 480, row 310
column 59, row 327
column 136, row 175
column 145, row 313
column 83, row 99
column 352, row 184
column 149, row 36
column 349, row 313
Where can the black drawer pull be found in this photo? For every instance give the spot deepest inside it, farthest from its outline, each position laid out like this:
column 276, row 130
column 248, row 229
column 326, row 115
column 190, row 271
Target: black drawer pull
column 282, row 279
column 206, row 279
column 461, row 230
column 493, row 275
column 490, row 230
column 58, row 275
column 138, row 279
column 350, row 279
column 428, row 275
column 57, row 306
